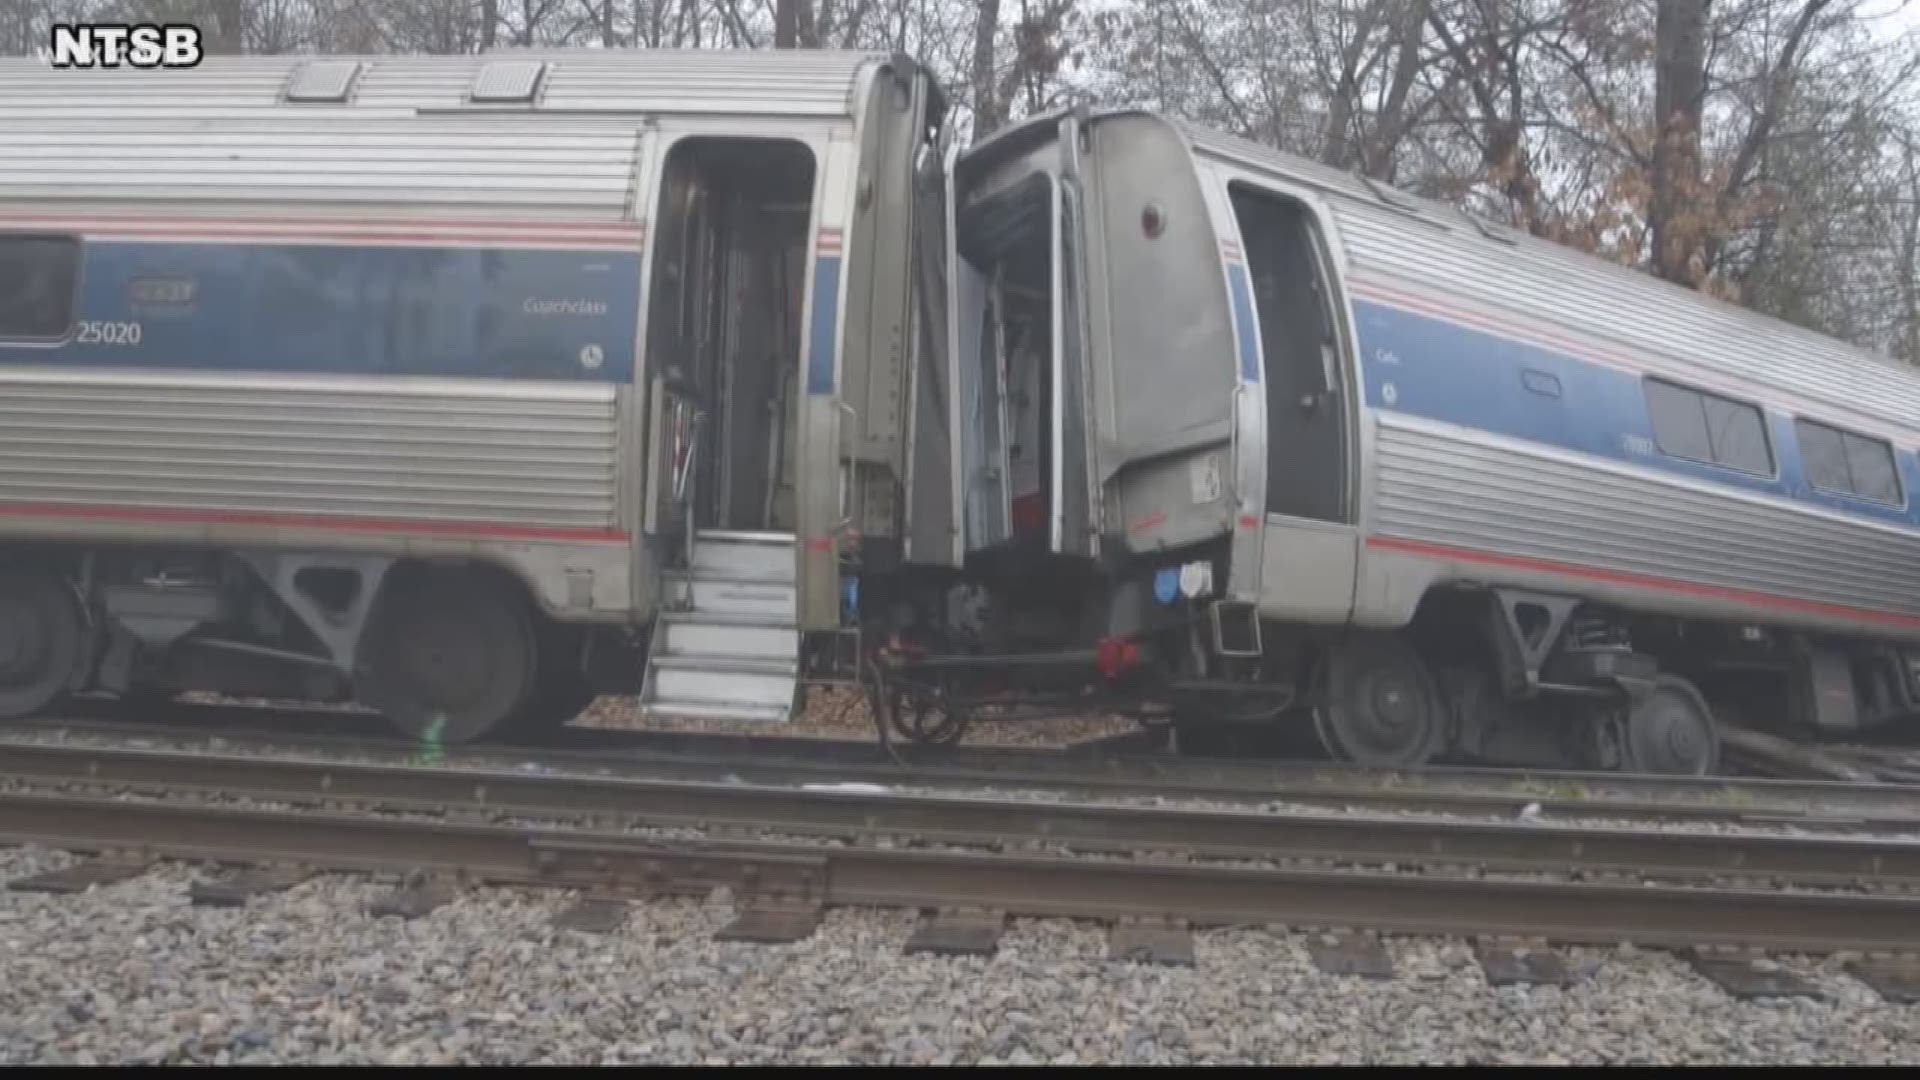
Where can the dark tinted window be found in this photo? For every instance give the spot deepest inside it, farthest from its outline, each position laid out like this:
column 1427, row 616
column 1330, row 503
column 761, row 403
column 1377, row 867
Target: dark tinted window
column 1874, row 476
column 1679, row 423
column 1824, row 453
column 1708, row 428
column 1705, row 427
column 36, row 285
column 1849, row 464
column 1739, row 435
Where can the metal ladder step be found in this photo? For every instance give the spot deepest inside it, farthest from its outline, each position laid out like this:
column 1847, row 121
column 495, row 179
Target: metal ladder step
column 702, row 710
column 726, row 643
column 725, row 680
column 702, row 637
column 744, row 555
column 762, row 597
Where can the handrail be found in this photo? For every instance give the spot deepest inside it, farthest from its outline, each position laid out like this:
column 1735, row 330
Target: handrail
column 846, row 467
column 683, row 481
column 1232, row 471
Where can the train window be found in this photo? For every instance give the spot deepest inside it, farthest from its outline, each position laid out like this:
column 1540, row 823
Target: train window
column 1848, row 464
column 37, row 278
column 1739, row 435
column 1679, row 423
column 1823, row 453
column 1871, row 462
column 1708, row 428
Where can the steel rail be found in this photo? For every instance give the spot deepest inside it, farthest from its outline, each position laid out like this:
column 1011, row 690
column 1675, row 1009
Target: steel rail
column 1813, row 804
column 1560, row 911
column 1088, row 762
column 993, row 821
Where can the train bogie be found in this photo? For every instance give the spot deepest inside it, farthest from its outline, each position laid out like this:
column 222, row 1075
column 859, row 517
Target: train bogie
column 450, row 651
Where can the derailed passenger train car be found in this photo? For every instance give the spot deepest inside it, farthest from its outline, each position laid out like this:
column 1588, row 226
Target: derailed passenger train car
column 1240, row 438
column 464, row 387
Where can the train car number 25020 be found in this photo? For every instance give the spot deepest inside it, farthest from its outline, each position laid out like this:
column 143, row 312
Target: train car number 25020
column 108, row 333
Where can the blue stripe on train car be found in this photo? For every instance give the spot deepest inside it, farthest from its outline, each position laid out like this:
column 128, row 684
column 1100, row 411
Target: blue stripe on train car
column 1243, row 323
column 1475, row 379
column 826, row 311
column 340, row 310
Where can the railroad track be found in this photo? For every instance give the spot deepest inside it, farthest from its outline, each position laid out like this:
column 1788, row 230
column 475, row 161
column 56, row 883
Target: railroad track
column 1139, row 865
column 1088, row 773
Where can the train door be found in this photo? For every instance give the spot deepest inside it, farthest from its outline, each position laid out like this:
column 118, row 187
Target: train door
column 730, row 251
column 1162, row 376
column 983, row 499
column 1310, row 546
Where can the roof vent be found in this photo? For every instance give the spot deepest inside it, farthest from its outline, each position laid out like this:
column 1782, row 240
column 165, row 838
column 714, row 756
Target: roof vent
column 323, row 80
column 1392, row 196
column 1488, row 229
column 509, row 81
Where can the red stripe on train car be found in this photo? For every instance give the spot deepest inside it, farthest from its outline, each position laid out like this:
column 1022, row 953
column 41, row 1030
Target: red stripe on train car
column 265, row 221
column 421, row 230
column 480, row 530
column 570, row 243
column 1641, row 581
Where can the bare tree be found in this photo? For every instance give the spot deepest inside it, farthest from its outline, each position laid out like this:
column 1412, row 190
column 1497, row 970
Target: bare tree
column 1679, row 96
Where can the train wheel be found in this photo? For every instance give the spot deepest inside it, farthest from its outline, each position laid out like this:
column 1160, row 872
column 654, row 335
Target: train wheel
column 558, row 698
column 41, row 639
column 923, row 717
column 449, row 659
column 1382, row 708
column 1670, row 732
column 561, row 691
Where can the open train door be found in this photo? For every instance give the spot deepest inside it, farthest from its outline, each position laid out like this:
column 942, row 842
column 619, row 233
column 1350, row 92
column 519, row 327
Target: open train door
column 1166, row 377
column 982, row 499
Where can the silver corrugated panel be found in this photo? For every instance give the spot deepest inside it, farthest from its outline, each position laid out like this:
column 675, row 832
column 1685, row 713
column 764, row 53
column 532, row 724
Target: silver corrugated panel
column 1539, row 283
column 785, row 82
column 223, row 84
column 522, row 454
column 576, row 165
column 1445, row 486
column 1301, row 170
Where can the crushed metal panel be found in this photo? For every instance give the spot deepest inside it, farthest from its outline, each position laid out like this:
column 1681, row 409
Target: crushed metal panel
column 507, row 81
column 958, row 933
column 1355, row 954
column 1162, row 389
column 80, row 877
column 323, row 80
column 235, row 891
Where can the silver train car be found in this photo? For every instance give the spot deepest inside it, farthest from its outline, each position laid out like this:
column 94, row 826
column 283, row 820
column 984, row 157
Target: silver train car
column 1234, row 438
column 461, row 387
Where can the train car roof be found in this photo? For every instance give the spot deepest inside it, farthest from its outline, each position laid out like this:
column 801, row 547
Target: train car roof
column 786, row 82
column 537, row 131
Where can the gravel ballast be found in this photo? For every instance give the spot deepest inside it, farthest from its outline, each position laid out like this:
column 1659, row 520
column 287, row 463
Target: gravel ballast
column 132, row 972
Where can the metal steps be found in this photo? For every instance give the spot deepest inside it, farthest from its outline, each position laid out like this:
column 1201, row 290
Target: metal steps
column 726, row 644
